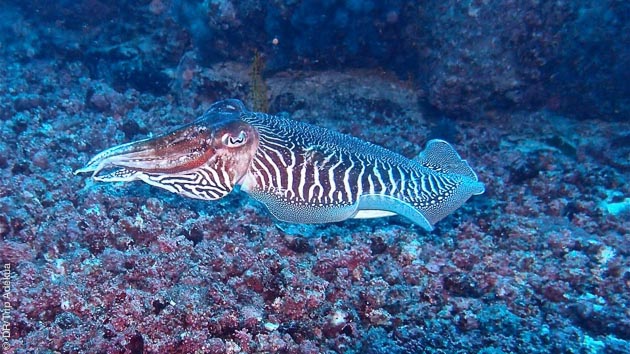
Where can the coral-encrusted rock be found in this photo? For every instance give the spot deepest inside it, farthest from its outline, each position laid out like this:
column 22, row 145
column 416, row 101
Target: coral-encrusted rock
column 536, row 262
column 490, row 55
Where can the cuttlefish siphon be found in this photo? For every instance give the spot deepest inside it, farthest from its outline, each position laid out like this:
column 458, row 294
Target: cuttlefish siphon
column 302, row 173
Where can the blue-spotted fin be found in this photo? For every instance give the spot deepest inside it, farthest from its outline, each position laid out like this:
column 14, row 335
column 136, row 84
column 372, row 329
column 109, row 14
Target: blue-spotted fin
column 300, row 172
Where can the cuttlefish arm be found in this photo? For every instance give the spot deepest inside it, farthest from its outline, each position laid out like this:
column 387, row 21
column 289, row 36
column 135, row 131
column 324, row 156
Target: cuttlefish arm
column 300, row 172
column 202, row 160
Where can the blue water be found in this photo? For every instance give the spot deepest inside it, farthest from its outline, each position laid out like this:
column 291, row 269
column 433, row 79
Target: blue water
column 533, row 95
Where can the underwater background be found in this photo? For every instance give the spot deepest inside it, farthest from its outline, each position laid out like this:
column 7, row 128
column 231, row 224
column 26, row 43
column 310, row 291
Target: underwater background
column 534, row 94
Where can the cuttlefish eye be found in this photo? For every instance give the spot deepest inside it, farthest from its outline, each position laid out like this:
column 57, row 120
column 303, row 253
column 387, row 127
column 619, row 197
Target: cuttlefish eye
column 232, row 141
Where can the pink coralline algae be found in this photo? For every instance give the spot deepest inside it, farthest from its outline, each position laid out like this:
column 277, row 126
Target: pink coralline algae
column 133, row 269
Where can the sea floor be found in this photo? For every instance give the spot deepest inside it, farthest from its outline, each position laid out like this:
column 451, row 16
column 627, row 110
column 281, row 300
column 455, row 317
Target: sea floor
column 539, row 263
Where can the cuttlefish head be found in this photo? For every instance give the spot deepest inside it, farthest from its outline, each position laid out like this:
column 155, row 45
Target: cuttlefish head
column 204, row 159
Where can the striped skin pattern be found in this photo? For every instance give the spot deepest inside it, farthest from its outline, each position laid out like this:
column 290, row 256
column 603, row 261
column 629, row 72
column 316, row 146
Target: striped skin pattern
column 308, row 174
column 201, row 183
column 302, row 173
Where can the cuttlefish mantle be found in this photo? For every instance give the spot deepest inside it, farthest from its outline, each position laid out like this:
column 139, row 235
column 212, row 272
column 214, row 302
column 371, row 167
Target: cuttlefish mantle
column 302, row 173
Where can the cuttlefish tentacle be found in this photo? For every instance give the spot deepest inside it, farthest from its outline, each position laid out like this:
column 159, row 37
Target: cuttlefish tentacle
column 203, row 160
column 300, row 172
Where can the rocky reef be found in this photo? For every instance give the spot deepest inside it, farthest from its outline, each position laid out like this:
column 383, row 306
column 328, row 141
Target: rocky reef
column 533, row 94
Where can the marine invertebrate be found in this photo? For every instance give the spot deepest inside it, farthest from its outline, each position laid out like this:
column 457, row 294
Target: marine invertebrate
column 300, row 172
column 258, row 89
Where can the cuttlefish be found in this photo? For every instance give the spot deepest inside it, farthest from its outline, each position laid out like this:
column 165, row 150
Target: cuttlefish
column 302, row 173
